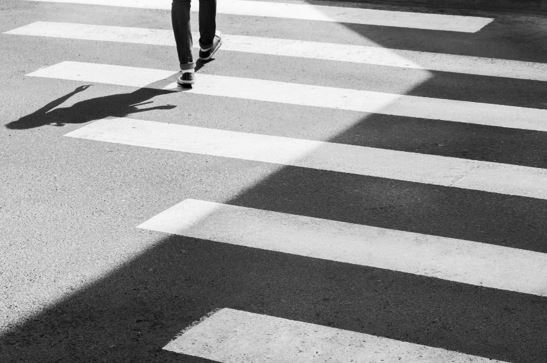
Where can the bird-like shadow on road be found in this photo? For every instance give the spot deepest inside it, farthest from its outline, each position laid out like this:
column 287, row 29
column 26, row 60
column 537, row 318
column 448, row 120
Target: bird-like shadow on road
column 118, row 105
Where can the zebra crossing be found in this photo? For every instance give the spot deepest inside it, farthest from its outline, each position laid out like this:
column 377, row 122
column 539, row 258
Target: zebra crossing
column 309, row 95
column 317, row 13
column 441, row 62
column 358, row 160
column 444, row 258
column 234, row 335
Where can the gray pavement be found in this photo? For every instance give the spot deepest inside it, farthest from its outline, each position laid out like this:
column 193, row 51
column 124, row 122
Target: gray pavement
column 79, row 281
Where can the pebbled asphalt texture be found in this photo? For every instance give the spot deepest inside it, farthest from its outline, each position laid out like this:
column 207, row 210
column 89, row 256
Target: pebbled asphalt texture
column 81, row 283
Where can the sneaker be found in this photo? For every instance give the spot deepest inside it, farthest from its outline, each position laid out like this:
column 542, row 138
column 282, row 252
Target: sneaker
column 207, row 54
column 186, row 78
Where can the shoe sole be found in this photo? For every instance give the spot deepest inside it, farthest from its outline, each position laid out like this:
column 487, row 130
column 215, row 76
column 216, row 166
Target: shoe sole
column 212, row 53
column 185, row 83
column 182, row 82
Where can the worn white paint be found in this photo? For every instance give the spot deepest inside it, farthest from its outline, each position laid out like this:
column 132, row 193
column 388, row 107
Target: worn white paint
column 299, row 48
column 310, row 95
column 444, row 258
column 442, row 22
column 231, row 335
column 384, row 163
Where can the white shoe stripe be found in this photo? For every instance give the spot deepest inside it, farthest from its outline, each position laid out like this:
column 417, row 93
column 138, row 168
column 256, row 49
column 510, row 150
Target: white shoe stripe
column 309, row 95
column 238, row 336
column 399, row 165
column 304, row 49
column 444, row 258
column 442, row 22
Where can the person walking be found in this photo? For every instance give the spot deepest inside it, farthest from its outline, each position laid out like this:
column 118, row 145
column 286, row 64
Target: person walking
column 209, row 42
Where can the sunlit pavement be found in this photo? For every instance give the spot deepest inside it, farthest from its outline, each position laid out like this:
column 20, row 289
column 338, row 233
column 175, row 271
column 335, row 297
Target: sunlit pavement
column 345, row 182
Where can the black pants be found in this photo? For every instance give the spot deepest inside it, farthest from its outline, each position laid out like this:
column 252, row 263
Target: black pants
column 180, row 16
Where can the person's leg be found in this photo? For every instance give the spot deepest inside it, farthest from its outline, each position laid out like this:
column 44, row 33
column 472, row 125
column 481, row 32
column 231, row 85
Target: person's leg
column 207, row 22
column 209, row 41
column 180, row 17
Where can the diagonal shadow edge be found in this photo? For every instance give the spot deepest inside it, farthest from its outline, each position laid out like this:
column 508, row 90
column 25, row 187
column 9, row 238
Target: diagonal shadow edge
column 175, row 240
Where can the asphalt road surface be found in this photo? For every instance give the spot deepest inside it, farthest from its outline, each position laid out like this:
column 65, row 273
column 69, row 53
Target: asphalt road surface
column 344, row 182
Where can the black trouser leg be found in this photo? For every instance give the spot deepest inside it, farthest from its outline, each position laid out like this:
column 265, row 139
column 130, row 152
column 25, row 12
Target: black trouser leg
column 207, row 22
column 180, row 17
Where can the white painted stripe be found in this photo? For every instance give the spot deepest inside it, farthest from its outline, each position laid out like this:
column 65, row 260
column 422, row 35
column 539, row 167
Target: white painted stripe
column 444, row 258
column 374, row 102
column 298, row 48
column 309, row 95
column 103, row 33
column 238, row 336
column 442, row 22
column 103, row 73
column 383, row 163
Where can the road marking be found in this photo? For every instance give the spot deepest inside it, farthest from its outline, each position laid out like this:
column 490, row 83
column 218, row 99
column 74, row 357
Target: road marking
column 230, row 335
column 303, row 49
column 441, row 22
column 383, row 163
column 103, row 73
column 443, row 258
column 310, row 95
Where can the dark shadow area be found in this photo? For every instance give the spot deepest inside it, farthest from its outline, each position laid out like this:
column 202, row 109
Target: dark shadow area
column 200, row 64
column 450, row 139
column 468, row 6
column 523, row 44
column 492, row 218
column 483, row 89
column 133, row 312
column 118, row 105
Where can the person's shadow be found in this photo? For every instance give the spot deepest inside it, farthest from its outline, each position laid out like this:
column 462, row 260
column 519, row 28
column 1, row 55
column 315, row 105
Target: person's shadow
column 118, row 105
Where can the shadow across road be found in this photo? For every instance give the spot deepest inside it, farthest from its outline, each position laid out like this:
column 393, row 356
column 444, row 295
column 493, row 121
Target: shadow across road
column 135, row 310
column 118, row 105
